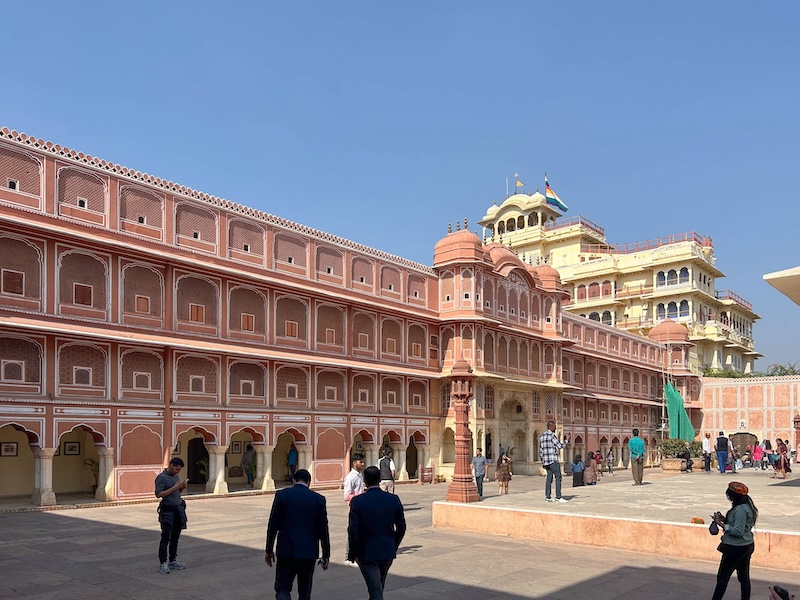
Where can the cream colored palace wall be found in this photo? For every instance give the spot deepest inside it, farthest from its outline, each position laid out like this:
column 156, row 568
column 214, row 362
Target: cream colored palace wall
column 16, row 471
column 763, row 406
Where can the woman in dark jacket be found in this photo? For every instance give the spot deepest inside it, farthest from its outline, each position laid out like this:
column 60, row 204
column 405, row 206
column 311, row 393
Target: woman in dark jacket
column 737, row 539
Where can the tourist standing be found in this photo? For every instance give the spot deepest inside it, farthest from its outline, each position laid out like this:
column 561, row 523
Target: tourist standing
column 387, row 469
column 636, row 449
column 721, row 448
column 479, row 464
column 376, row 528
column 248, row 464
column 782, row 463
column 598, row 458
column 292, row 460
column 737, row 539
column 299, row 519
column 548, row 452
column 758, row 457
column 354, row 486
column 590, row 474
column 707, row 452
column 766, row 446
column 610, row 461
column 502, row 473
column 171, row 514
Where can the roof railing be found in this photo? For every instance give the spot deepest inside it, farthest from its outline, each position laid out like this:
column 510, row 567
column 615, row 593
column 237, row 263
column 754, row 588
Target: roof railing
column 691, row 236
column 729, row 295
column 571, row 222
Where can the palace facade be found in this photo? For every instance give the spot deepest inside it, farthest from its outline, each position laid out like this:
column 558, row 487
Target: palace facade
column 633, row 286
column 141, row 320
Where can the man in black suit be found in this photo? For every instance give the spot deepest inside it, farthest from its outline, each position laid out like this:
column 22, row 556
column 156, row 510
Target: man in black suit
column 299, row 519
column 377, row 526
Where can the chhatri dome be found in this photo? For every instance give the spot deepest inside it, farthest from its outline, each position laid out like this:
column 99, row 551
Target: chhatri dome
column 550, row 277
column 669, row 332
column 458, row 246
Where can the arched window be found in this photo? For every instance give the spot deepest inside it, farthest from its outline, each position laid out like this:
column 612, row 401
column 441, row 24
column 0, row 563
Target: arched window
column 684, row 308
column 606, row 289
column 581, row 292
column 672, row 310
column 672, row 277
column 684, row 275
column 501, row 228
column 595, row 316
column 511, row 224
column 520, row 222
column 607, row 317
column 660, row 278
column 661, row 313
column 533, row 219
column 594, row 290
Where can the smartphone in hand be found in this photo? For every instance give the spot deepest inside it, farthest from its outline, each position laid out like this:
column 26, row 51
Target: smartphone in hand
column 783, row 593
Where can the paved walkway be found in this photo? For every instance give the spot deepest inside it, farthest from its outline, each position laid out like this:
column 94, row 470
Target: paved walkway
column 110, row 552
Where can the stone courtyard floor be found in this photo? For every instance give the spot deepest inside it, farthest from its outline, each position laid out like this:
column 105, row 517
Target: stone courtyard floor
column 109, row 552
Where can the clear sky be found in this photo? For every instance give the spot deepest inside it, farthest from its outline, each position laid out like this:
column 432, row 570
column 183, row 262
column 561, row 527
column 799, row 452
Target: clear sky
column 381, row 122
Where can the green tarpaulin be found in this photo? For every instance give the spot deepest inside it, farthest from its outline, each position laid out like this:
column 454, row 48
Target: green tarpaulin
column 680, row 427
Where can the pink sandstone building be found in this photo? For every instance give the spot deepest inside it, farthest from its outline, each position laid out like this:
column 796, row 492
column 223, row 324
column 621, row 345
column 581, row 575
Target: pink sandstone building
column 141, row 320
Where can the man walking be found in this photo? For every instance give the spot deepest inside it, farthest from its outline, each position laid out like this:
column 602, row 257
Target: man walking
column 721, row 447
column 248, row 464
column 353, row 486
column 636, row 450
column 548, row 452
column 299, row 519
column 707, row 453
column 171, row 514
column 376, row 528
column 479, row 464
column 386, row 467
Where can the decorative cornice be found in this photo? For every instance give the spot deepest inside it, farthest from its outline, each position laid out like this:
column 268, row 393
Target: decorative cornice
column 186, row 192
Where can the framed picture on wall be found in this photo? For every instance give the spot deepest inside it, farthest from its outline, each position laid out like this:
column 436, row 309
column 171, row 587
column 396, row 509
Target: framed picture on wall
column 236, row 447
column 8, row 449
column 177, row 448
column 72, row 448
column 359, row 446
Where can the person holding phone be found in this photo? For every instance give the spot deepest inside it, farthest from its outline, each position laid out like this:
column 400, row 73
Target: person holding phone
column 171, row 514
column 737, row 544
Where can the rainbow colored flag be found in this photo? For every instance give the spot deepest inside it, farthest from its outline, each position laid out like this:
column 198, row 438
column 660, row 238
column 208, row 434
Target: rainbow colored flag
column 552, row 198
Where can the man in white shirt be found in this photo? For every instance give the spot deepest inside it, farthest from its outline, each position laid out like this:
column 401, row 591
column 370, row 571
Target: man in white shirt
column 707, row 452
column 353, row 486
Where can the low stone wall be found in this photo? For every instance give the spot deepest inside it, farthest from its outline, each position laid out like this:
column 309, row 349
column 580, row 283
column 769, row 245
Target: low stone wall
column 679, row 540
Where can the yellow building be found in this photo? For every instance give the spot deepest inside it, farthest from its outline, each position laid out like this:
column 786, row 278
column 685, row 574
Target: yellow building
column 632, row 286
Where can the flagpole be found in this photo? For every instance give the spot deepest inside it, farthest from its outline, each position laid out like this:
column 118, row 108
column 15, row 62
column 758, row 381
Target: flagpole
column 506, row 186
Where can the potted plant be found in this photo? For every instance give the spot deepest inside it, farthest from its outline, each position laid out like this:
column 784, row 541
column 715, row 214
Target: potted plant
column 94, row 469
column 672, row 452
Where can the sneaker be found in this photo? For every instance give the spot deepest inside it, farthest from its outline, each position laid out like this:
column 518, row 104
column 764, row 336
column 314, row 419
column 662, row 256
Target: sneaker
column 164, row 568
column 174, row 564
column 549, row 500
column 351, row 563
column 562, row 500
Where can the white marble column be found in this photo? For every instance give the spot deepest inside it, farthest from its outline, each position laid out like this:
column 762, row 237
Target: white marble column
column 423, row 456
column 105, row 474
column 216, row 483
column 43, row 494
column 400, row 463
column 264, row 480
column 306, row 459
column 370, row 452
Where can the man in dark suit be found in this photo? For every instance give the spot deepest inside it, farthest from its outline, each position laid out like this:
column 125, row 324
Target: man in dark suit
column 299, row 519
column 377, row 526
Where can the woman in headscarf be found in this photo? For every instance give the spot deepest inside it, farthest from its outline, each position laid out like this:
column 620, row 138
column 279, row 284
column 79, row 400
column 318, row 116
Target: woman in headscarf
column 737, row 539
column 782, row 463
column 590, row 474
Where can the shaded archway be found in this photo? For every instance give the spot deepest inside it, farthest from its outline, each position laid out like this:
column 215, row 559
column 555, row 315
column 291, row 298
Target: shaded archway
column 18, row 460
column 76, row 464
column 448, row 446
column 191, row 448
column 280, row 456
column 237, row 453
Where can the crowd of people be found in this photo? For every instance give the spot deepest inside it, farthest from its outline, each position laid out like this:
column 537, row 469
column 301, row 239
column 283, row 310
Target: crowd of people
column 298, row 520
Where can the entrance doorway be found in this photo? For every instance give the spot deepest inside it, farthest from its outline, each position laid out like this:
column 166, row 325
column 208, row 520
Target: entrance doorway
column 197, row 460
column 411, row 459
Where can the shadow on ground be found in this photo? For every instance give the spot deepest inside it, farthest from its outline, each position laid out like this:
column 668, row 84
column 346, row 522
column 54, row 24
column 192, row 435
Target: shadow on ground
column 59, row 556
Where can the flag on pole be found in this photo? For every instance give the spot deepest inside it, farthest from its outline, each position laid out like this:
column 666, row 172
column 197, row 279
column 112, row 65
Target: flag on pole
column 552, row 198
column 520, row 184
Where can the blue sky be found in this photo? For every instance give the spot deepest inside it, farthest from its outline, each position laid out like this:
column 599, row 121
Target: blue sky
column 382, row 122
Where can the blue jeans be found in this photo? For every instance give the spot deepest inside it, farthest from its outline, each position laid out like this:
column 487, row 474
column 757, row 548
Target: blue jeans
column 374, row 573
column 722, row 460
column 479, row 483
column 553, row 470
